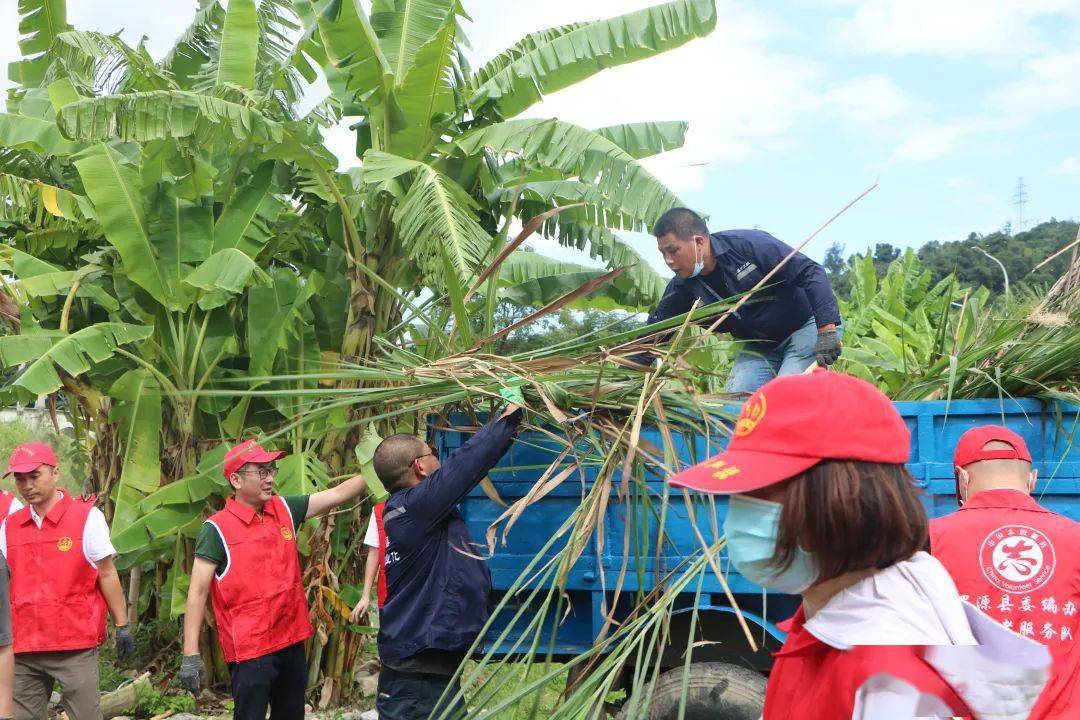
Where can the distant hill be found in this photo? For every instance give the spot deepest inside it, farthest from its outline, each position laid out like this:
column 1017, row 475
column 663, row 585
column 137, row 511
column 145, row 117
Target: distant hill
column 1019, row 253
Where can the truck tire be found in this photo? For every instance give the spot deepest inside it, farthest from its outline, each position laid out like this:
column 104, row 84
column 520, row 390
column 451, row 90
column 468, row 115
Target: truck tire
column 716, row 691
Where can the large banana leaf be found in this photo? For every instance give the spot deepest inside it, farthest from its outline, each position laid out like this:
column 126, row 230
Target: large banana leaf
column 74, row 353
column 164, row 522
column 194, row 48
column 25, row 199
column 28, row 133
column 301, row 474
column 643, row 139
column 239, row 45
column 39, row 22
column 579, row 152
column 435, row 216
column 158, row 114
column 238, row 225
column 426, row 91
column 563, row 59
column 405, row 26
column 224, row 274
column 137, row 413
column 352, row 47
column 113, row 186
column 272, row 310
column 207, row 480
column 181, row 232
column 533, row 280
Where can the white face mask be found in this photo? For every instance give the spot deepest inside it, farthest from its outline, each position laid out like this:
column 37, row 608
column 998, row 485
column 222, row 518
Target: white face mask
column 699, row 261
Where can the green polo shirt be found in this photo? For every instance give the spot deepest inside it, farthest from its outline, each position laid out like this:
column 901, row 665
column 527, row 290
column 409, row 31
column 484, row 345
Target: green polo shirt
column 210, row 546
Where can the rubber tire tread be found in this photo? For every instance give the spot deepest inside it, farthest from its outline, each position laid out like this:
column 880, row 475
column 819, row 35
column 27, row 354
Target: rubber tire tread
column 743, row 699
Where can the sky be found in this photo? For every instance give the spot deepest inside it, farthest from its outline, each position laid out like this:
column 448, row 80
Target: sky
column 797, row 106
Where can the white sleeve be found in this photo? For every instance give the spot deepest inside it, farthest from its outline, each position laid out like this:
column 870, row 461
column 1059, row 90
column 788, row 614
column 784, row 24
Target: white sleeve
column 885, row 696
column 15, row 506
column 371, row 537
column 3, row 538
column 96, row 542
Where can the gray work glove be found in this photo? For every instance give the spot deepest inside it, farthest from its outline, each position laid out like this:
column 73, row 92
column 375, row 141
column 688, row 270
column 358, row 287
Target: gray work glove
column 192, row 673
column 827, row 349
column 125, row 644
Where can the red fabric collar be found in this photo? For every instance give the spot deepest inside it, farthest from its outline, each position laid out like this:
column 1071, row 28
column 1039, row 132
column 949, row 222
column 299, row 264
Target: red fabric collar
column 55, row 512
column 246, row 513
column 799, row 640
column 1003, row 498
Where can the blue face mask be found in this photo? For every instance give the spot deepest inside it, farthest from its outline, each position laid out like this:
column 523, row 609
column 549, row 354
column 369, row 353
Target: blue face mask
column 699, row 263
column 751, row 528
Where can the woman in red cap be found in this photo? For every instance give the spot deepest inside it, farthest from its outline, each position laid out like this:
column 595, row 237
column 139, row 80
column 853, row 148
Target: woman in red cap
column 822, row 506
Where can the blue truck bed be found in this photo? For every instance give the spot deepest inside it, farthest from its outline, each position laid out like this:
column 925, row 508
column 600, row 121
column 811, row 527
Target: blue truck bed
column 1049, row 429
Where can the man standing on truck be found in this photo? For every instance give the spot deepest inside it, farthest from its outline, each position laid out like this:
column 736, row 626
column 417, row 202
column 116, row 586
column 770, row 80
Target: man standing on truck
column 437, row 599
column 1009, row 556
column 246, row 556
column 790, row 323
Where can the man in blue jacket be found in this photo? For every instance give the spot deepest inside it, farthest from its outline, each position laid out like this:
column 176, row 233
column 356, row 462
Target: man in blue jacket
column 437, row 587
column 791, row 322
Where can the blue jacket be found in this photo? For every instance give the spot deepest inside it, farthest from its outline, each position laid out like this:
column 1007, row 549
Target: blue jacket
column 437, row 596
column 800, row 288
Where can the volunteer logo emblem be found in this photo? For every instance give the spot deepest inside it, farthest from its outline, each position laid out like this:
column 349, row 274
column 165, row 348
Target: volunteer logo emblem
column 752, row 413
column 64, row 544
column 1017, row 558
column 286, row 533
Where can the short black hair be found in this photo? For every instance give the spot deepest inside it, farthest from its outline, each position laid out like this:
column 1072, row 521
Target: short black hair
column 393, row 457
column 681, row 222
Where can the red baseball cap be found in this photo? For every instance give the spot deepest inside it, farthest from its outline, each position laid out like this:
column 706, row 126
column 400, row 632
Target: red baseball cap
column 794, row 422
column 970, row 447
column 247, row 452
column 29, row 457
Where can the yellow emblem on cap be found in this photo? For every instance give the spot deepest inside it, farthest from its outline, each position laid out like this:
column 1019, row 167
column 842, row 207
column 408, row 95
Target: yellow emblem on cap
column 752, row 413
column 723, row 473
column 286, row 533
column 64, row 544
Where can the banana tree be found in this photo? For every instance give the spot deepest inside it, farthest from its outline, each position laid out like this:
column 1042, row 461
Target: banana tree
column 154, row 241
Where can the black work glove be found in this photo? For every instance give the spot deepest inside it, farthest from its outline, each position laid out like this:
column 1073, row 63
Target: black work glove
column 827, row 349
column 125, row 644
column 192, row 673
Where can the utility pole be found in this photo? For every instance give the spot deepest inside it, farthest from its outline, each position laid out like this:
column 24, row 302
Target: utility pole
column 1019, row 200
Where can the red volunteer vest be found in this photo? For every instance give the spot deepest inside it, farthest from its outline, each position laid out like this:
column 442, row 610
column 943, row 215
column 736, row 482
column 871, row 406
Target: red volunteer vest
column 55, row 600
column 813, row 681
column 6, row 499
column 380, row 587
column 259, row 601
column 1017, row 562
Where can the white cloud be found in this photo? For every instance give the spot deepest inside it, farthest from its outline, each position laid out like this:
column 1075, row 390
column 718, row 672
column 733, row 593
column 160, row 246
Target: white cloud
column 1044, row 84
column 870, row 102
column 929, row 140
column 952, row 28
column 739, row 96
column 1070, row 165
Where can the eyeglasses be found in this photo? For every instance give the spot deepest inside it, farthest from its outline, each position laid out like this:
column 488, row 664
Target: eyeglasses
column 431, row 453
column 261, row 473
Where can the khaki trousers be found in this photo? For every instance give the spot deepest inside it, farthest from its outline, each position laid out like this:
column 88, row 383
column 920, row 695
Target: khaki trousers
column 75, row 670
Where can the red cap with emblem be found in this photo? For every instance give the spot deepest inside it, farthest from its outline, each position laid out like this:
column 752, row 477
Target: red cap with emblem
column 246, row 452
column 970, row 448
column 794, row 422
column 29, row 457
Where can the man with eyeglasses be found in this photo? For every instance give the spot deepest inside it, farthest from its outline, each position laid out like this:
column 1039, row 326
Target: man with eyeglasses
column 437, row 585
column 246, row 560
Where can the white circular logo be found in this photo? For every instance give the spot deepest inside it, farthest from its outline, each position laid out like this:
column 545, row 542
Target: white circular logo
column 1017, row 558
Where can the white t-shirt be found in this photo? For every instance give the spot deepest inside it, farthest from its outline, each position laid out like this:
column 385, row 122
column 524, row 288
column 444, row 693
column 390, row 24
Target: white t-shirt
column 371, row 536
column 96, row 543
